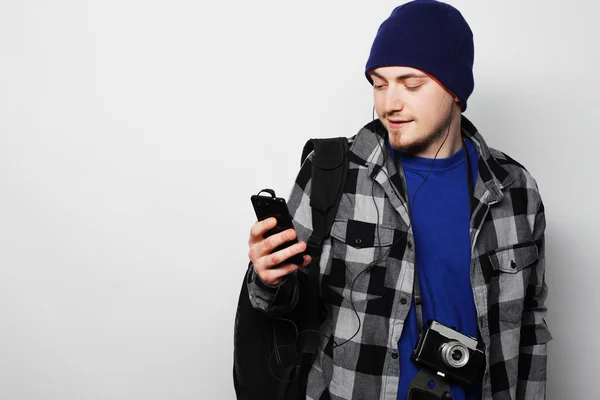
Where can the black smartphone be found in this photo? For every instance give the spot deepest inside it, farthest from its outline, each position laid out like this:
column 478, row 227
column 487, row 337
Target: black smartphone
column 271, row 206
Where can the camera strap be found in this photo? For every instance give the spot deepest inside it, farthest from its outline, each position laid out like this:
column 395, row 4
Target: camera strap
column 416, row 282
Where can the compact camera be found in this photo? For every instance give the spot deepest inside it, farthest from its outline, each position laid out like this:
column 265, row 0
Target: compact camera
column 450, row 354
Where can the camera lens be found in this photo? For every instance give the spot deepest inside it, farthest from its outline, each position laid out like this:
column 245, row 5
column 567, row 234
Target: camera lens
column 457, row 355
column 454, row 354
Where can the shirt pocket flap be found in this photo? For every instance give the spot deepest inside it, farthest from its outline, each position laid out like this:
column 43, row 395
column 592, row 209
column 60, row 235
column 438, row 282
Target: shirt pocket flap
column 513, row 259
column 362, row 234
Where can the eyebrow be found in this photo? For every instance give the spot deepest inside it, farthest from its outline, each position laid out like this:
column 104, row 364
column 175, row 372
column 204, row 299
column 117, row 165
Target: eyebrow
column 402, row 77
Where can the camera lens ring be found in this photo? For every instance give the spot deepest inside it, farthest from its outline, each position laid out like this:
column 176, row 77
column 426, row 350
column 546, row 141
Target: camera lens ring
column 448, row 351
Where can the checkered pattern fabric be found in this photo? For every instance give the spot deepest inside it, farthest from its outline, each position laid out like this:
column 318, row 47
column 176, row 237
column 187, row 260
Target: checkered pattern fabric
column 367, row 269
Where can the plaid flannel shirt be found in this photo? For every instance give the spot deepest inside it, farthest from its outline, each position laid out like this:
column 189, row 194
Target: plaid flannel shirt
column 372, row 226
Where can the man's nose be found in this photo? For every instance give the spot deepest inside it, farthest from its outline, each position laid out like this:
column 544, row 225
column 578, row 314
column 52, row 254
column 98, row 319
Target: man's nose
column 394, row 101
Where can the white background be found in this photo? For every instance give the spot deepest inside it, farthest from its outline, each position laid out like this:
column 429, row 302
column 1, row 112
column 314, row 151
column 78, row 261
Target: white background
column 132, row 134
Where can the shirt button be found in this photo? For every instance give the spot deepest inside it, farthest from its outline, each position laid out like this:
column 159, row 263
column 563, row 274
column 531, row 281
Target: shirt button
column 358, row 241
column 394, row 355
column 403, row 300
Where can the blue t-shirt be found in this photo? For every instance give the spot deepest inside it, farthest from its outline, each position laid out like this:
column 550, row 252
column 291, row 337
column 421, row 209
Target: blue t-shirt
column 441, row 225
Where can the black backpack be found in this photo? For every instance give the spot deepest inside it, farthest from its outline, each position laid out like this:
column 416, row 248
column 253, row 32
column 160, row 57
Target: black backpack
column 272, row 355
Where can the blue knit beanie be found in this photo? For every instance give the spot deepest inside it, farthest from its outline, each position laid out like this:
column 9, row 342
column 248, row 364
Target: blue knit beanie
column 430, row 36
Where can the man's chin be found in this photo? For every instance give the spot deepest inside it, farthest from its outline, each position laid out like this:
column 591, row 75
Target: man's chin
column 406, row 144
column 402, row 139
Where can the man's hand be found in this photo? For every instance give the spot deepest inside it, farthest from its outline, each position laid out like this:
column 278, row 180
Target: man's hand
column 269, row 266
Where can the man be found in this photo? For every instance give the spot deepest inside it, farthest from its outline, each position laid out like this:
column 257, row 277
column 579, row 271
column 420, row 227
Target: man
column 425, row 198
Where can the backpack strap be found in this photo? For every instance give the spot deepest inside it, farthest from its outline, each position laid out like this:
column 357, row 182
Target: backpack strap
column 329, row 173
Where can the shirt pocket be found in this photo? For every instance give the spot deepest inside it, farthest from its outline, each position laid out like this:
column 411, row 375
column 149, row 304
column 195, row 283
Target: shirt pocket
column 509, row 278
column 359, row 254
